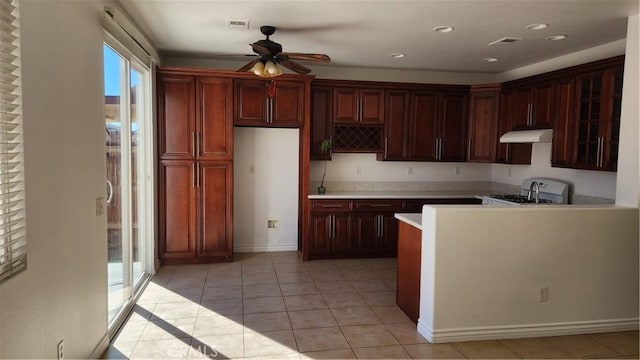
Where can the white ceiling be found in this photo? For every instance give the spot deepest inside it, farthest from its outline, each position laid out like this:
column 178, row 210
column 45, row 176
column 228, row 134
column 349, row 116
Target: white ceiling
column 365, row 33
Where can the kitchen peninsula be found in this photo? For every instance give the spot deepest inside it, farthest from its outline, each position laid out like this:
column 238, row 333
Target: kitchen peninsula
column 489, row 272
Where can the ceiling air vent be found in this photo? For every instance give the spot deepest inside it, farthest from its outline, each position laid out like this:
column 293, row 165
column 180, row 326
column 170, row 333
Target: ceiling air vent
column 505, row 41
column 238, row 24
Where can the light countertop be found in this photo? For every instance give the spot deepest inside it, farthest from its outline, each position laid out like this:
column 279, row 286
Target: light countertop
column 413, row 219
column 426, row 194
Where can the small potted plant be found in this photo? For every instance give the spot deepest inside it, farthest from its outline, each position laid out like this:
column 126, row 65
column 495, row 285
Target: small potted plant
column 325, row 149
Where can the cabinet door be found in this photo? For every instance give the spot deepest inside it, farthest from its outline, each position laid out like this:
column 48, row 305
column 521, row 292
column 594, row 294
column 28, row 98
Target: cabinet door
column 346, row 105
column 483, row 125
column 341, row 236
column 388, row 240
column 215, row 209
column 522, row 108
column 563, row 137
column 215, row 119
column 287, row 105
column 510, row 153
column 177, row 215
column 320, row 237
column 453, row 128
column 176, row 116
column 395, row 125
column 366, row 233
column 251, row 103
column 320, row 121
column 371, row 106
column 589, row 100
column 422, row 126
column 612, row 108
column 542, row 113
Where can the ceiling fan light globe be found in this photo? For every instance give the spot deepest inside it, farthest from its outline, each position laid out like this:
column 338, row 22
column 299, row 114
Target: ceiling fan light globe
column 258, row 69
column 270, row 68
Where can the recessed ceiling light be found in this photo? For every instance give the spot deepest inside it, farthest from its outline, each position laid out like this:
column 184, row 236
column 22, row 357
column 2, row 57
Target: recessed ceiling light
column 397, row 55
column 490, row 59
column 443, row 29
column 537, row 26
column 557, row 37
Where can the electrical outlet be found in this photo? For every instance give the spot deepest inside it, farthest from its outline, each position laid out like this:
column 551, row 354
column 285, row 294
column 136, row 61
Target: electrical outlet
column 359, row 170
column 273, row 224
column 543, row 294
column 509, row 172
column 410, row 170
column 61, row 350
column 456, row 170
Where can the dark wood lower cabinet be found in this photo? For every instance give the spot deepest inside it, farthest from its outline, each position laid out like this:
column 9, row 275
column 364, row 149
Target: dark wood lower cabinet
column 214, row 210
column 409, row 268
column 195, row 201
column 361, row 228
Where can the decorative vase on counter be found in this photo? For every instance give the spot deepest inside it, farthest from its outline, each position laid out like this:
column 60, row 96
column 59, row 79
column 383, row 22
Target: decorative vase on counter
column 322, row 190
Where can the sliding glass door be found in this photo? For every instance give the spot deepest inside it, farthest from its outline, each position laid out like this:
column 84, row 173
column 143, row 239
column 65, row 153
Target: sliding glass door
column 126, row 135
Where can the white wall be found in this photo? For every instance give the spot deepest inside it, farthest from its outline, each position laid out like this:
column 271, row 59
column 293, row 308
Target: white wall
column 592, row 183
column 482, row 280
column 628, row 177
column 63, row 293
column 265, row 187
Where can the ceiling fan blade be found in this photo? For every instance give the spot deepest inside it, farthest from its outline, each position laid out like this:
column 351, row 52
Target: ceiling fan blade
column 249, row 65
column 260, row 49
column 308, row 57
column 294, row 66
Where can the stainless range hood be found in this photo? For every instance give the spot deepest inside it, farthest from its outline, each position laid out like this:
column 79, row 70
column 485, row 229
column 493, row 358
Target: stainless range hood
column 527, row 136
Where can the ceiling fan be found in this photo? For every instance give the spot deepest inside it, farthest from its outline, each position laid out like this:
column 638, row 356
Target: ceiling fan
column 270, row 54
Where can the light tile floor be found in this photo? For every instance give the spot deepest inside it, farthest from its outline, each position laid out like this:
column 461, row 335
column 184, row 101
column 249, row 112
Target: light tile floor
column 273, row 305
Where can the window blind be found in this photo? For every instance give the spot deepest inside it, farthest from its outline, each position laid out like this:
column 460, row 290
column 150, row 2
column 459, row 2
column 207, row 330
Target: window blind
column 13, row 241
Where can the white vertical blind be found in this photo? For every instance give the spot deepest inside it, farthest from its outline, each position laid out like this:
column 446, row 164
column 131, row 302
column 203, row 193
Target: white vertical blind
column 13, row 241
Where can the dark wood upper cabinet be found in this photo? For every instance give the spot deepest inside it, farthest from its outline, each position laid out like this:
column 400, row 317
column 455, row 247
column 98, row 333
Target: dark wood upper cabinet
column 452, row 127
column 358, row 105
column 395, row 124
column 422, row 131
column 510, row 153
column 176, row 113
column 598, row 106
column 260, row 105
column 425, row 125
column 320, row 120
column 215, row 123
column 563, row 130
column 533, row 106
column 483, row 121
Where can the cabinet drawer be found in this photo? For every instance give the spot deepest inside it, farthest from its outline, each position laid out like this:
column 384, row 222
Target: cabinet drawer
column 379, row 205
column 331, row 205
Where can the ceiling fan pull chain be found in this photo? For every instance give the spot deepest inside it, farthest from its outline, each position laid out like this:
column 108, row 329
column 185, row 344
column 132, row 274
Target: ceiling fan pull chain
column 271, row 88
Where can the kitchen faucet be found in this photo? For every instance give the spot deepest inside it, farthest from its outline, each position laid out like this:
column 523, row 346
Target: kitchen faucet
column 534, row 187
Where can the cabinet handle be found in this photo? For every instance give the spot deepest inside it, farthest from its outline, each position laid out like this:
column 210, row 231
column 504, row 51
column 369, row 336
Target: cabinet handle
column 327, row 206
column 440, row 149
column 193, row 143
column 508, row 154
column 529, row 108
column 333, row 226
column 598, row 153
column 469, row 149
column 380, row 225
column 380, row 205
column 195, row 175
column 601, row 151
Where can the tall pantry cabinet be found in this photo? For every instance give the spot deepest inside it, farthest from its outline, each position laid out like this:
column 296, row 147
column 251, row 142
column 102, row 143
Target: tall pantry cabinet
column 195, row 188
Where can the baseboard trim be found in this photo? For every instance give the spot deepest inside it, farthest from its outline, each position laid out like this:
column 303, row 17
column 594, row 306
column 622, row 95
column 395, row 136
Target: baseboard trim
column 265, row 248
column 527, row 330
column 99, row 350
